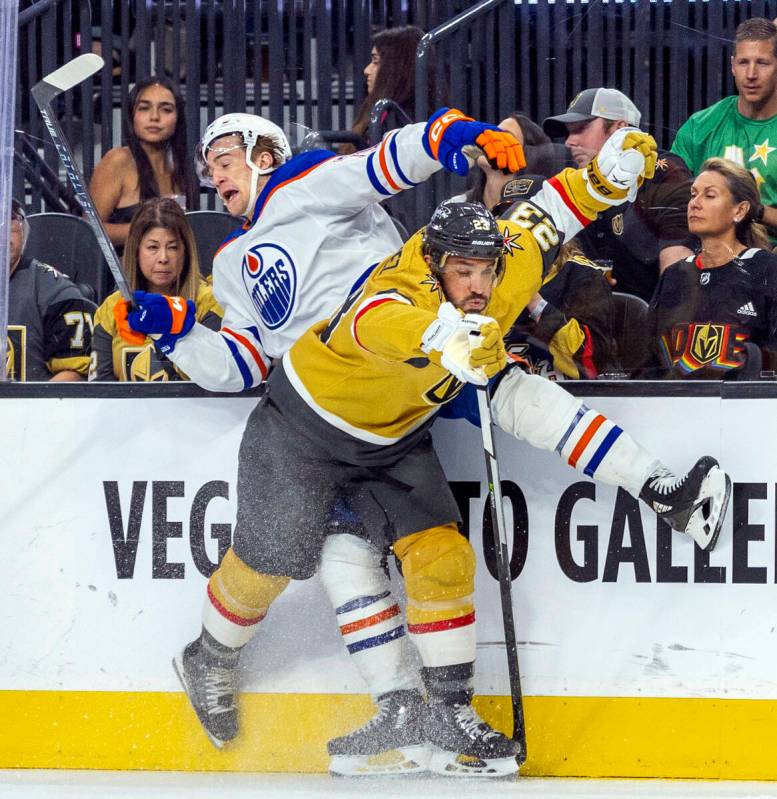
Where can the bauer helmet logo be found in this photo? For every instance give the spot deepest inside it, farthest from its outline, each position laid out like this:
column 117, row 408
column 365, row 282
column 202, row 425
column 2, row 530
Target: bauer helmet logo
column 270, row 278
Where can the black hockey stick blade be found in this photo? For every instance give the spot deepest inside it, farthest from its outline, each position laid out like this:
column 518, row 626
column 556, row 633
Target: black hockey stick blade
column 44, row 92
column 501, row 551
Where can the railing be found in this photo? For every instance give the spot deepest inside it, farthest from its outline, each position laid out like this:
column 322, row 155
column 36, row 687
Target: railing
column 484, row 32
column 301, row 60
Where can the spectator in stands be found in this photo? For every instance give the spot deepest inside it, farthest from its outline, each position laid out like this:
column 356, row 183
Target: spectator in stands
column 486, row 184
column 741, row 127
column 390, row 74
column 155, row 163
column 49, row 319
column 714, row 314
column 650, row 233
column 160, row 256
column 564, row 331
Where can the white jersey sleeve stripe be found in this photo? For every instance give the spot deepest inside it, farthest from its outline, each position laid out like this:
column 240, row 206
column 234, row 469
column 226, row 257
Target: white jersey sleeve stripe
column 257, row 359
column 373, row 302
column 392, row 146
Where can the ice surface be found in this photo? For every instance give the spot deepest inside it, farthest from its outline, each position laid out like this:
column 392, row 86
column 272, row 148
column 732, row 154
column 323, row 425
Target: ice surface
column 128, row 785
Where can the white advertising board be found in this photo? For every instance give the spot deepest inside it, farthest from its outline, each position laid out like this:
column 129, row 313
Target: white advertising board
column 113, row 510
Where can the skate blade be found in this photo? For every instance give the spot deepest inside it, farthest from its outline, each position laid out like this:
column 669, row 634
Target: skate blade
column 404, row 760
column 715, row 491
column 451, row 764
column 178, row 666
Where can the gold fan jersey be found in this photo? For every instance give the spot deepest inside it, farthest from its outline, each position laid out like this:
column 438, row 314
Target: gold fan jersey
column 115, row 359
column 364, row 372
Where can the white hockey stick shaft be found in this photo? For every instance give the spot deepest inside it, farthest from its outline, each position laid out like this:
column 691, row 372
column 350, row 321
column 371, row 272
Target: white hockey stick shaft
column 44, row 92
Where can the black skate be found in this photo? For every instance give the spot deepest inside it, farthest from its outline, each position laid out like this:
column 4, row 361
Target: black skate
column 463, row 745
column 211, row 690
column 391, row 742
column 695, row 503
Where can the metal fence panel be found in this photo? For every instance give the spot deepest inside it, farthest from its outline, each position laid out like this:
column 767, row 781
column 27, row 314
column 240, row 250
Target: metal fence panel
column 302, row 60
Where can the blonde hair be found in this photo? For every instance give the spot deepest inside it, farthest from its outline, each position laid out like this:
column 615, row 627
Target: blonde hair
column 743, row 188
column 163, row 212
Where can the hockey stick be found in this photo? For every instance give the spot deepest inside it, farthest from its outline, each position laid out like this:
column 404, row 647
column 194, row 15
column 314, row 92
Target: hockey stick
column 503, row 567
column 44, row 92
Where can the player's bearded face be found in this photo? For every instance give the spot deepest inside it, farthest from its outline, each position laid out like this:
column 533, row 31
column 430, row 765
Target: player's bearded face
column 468, row 282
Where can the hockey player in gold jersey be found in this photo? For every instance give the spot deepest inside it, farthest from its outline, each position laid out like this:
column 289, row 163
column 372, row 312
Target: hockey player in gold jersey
column 348, row 412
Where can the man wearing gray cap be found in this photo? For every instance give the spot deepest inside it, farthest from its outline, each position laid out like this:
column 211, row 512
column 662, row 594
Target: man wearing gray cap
column 643, row 238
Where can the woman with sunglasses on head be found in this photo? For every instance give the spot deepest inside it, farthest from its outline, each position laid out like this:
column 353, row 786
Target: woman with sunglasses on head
column 155, row 163
column 714, row 314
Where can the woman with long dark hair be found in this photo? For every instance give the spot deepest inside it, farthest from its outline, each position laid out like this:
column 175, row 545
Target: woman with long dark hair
column 160, row 256
column 155, row 163
column 714, row 314
column 390, row 74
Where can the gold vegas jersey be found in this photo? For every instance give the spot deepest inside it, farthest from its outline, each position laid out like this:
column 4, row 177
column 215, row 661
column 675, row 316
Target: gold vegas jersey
column 115, row 359
column 363, row 371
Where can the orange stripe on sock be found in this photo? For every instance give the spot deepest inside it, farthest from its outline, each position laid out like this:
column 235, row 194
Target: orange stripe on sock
column 585, row 439
column 376, row 618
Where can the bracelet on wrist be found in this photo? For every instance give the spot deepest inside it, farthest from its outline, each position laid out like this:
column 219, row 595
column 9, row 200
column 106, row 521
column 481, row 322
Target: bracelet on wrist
column 536, row 312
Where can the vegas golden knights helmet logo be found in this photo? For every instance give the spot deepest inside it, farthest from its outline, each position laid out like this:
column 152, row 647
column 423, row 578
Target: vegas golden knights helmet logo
column 617, row 225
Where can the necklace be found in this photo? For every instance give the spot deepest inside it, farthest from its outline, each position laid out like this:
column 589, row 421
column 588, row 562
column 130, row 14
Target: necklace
column 712, row 259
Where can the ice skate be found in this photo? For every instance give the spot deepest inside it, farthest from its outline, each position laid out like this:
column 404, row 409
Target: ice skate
column 391, row 742
column 695, row 503
column 211, row 690
column 463, row 745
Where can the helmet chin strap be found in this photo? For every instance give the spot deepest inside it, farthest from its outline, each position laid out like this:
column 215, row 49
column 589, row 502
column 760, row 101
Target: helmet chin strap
column 256, row 173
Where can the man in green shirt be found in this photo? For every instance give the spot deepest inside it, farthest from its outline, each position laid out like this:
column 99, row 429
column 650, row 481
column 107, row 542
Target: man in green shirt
column 742, row 128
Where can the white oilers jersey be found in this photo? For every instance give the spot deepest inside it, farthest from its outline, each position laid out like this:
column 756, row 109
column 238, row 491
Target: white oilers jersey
column 316, row 233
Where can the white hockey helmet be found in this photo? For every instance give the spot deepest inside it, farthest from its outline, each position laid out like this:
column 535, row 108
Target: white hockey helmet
column 250, row 128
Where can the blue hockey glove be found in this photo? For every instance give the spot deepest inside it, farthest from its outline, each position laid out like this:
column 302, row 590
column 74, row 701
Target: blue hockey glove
column 448, row 132
column 169, row 318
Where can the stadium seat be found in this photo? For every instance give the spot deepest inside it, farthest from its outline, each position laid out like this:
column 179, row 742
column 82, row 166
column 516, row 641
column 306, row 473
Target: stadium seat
column 67, row 243
column 629, row 331
column 210, row 228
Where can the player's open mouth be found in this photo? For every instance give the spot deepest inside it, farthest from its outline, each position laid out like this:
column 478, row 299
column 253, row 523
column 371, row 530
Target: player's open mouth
column 228, row 195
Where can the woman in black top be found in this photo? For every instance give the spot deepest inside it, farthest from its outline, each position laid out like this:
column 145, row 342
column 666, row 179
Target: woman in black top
column 155, row 163
column 714, row 314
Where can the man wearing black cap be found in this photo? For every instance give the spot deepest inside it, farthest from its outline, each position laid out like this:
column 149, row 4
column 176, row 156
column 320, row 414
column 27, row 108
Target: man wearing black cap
column 49, row 320
column 650, row 233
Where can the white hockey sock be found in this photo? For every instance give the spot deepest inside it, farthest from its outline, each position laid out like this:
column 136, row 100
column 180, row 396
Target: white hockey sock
column 549, row 417
column 368, row 614
column 596, row 446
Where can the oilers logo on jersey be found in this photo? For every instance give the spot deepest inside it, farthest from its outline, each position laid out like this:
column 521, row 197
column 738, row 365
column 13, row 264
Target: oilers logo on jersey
column 270, row 279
